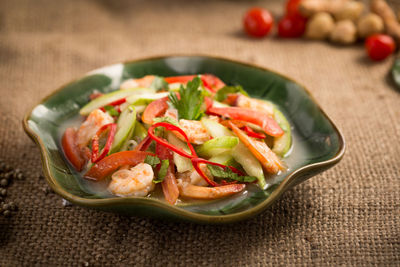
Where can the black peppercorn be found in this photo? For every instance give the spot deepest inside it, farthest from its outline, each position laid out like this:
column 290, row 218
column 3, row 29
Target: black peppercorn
column 6, row 206
column 3, row 182
column 3, row 192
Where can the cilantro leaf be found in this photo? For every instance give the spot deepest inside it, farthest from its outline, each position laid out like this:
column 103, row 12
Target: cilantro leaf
column 162, row 172
column 152, row 160
column 227, row 173
column 167, row 119
column 111, row 110
column 190, row 102
column 223, row 92
column 159, row 83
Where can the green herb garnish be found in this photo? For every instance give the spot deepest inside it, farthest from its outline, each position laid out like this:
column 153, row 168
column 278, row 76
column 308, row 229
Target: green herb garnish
column 227, row 173
column 222, row 94
column 111, row 110
column 159, row 83
column 190, row 102
column 167, row 119
column 152, row 160
column 162, row 172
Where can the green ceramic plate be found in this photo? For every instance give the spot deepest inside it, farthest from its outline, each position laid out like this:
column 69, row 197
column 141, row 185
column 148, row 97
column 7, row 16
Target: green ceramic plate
column 317, row 143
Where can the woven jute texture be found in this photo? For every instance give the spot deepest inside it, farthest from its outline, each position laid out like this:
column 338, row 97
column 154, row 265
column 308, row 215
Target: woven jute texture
column 349, row 215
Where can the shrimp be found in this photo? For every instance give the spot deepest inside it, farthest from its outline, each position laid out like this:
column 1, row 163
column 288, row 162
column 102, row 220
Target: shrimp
column 192, row 185
column 142, row 82
column 186, row 189
column 195, row 131
column 194, row 178
column 138, row 181
column 91, row 125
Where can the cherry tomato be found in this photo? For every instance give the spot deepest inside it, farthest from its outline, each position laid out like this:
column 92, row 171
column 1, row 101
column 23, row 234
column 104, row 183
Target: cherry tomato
column 291, row 26
column 258, row 22
column 379, row 46
column 292, row 7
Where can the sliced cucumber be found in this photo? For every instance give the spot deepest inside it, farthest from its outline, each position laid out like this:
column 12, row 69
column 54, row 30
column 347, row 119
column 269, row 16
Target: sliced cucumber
column 128, row 140
column 144, row 99
column 249, row 163
column 282, row 144
column 139, row 132
column 125, row 125
column 225, row 159
column 216, row 129
column 217, row 146
column 240, row 153
column 182, row 164
column 111, row 97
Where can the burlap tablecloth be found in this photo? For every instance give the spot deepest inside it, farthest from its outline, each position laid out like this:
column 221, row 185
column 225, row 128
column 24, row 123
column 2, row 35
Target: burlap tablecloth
column 348, row 215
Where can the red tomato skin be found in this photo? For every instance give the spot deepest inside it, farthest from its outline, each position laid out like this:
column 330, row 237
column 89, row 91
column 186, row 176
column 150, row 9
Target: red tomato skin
column 258, row 22
column 379, row 46
column 154, row 109
column 292, row 7
column 71, row 149
column 112, row 162
column 292, row 26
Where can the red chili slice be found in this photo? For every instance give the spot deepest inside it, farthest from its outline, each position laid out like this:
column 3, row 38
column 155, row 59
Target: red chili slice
column 144, row 144
column 243, row 126
column 206, row 85
column 161, row 141
column 252, row 133
column 112, row 127
column 195, row 160
column 115, row 103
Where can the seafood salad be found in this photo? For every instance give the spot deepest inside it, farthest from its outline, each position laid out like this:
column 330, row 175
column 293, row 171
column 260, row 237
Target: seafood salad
column 192, row 137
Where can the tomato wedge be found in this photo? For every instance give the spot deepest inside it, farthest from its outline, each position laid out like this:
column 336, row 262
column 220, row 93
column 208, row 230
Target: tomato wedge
column 169, row 185
column 268, row 124
column 260, row 150
column 109, row 164
column 71, row 149
column 154, row 110
column 179, row 79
